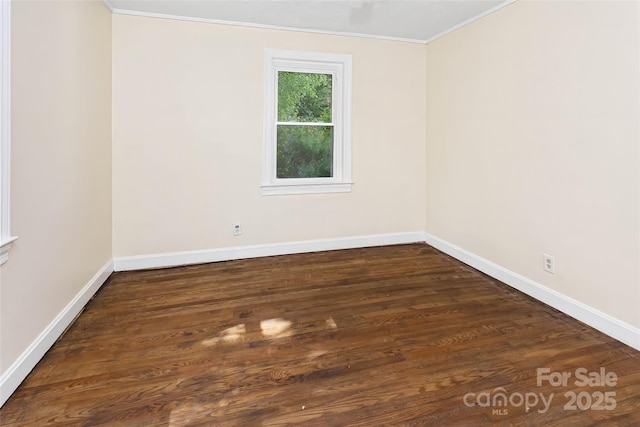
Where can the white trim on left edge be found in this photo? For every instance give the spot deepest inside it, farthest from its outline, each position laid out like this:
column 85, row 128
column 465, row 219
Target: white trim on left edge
column 603, row 322
column 240, row 252
column 18, row 371
column 4, row 249
column 5, row 132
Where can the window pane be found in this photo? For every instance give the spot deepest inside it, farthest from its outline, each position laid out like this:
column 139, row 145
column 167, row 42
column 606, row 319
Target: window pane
column 305, row 151
column 304, row 97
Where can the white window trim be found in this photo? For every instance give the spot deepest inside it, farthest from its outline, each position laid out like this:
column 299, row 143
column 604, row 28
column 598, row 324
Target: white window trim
column 5, row 132
column 340, row 67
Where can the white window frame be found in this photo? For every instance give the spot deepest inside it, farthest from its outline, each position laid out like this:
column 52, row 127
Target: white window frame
column 5, row 131
column 339, row 66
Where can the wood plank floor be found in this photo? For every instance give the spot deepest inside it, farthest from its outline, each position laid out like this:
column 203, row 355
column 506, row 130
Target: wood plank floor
column 399, row 335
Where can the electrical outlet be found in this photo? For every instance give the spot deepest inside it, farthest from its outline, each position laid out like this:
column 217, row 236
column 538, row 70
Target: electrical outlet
column 237, row 229
column 549, row 264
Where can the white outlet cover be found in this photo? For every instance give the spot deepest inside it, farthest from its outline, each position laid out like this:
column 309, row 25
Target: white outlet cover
column 549, row 264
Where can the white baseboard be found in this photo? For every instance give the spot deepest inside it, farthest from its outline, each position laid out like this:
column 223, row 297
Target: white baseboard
column 240, row 252
column 603, row 322
column 18, row 371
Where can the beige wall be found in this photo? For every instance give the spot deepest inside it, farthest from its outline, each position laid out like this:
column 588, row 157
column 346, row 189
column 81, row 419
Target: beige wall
column 531, row 118
column 532, row 146
column 61, row 164
column 187, row 139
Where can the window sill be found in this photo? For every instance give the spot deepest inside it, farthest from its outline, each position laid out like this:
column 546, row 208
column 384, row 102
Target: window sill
column 4, row 249
column 281, row 189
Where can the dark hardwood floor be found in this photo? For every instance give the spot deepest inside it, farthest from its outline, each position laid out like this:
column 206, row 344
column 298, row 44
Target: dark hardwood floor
column 399, row 335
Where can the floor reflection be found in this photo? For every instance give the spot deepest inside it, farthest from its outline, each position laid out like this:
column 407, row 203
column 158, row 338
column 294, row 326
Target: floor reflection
column 271, row 328
column 276, row 328
column 229, row 335
column 331, row 323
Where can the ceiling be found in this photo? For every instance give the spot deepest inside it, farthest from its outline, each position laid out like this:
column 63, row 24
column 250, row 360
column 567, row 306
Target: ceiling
column 410, row 20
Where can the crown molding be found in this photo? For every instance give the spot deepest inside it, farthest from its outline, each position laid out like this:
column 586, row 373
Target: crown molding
column 261, row 26
column 470, row 20
column 118, row 11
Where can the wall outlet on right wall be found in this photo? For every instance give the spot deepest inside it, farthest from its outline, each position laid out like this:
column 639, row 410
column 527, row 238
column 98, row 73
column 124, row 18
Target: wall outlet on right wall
column 549, row 263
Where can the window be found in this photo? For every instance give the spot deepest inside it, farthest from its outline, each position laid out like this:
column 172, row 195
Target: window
column 5, row 133
column 307, row 147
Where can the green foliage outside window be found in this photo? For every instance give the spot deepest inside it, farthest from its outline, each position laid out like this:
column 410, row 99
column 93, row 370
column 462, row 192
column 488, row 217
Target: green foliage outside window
column 304, row 151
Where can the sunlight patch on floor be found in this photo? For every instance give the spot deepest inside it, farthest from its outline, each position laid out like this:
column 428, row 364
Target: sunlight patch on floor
column 229, row 335
column 271, row 328
column 313, row 354
column 276, row 328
